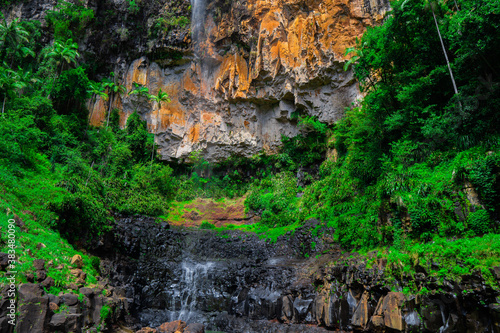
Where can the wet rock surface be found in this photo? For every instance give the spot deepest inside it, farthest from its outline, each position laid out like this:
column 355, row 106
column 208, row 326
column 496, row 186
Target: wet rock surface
column 236, row 282
column 38, row 311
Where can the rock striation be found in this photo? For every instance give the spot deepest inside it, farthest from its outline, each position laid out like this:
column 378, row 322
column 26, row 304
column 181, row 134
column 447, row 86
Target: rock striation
column 253, row 66
column 237, row 78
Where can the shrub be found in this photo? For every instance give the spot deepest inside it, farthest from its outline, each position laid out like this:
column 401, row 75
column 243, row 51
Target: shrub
column 479, row 221
column 207, row 225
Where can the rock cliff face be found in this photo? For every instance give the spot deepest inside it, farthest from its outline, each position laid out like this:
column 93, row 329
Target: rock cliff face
column 235, row 76
column 235, row 282
column 251, row 64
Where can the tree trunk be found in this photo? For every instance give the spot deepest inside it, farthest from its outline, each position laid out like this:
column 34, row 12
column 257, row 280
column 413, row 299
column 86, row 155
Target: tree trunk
column 444, row 51
column 94, row 96
column 52, row 87
column 90, row 171
column 109, row 109
column 154, row 137
column 152, row 154
column 3, row 106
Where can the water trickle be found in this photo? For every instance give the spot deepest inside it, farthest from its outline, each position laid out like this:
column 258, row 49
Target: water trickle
column 412, row 319
column 443, row 328
column 189, row 289
column 197, row 22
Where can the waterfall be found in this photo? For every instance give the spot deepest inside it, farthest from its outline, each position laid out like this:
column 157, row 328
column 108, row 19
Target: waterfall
column 197, row 22
column 191, row 285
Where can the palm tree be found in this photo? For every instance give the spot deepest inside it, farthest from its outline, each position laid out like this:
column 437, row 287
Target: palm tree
column 12, row 36
column 24, row 78
column 10, row 81
column 432, row 5
column 113, row 89
column 161, row 97
column 61, row 54
column 96, row 89
column 139, row 90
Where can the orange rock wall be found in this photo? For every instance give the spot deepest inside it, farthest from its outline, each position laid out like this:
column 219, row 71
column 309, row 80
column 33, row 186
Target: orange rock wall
column 255, row 64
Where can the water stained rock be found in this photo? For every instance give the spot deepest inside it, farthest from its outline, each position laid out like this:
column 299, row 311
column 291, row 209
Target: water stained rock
column 236, row 282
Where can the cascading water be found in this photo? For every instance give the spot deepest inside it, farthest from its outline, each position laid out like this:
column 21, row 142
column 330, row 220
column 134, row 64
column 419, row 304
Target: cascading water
column 190, row 287
column 197, row 23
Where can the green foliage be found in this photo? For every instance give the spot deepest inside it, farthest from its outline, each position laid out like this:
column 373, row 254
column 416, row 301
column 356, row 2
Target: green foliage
column 105, row 312
column 70, row 94
column 307, row 148
column 395, row 177
column 405, row 153
column 207, row 225
column 483, row 174
column 69, row 19
column 133, row 8
column 275, row 197
column 479, row 222
column 163, row 25
column 137, row 137
column 32, row 234
column 446, row 258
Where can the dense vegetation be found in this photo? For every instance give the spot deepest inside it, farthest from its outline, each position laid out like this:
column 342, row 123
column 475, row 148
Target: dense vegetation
column 401, row 168
column 415, row 161
column 412, row 144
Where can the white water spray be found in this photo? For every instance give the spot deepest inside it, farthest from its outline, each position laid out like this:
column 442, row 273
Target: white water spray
column 197, row 22
column 190, row 287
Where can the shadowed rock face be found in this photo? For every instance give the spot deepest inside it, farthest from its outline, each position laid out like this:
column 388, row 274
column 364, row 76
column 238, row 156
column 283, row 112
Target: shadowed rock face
column 239, row 283
column 254, row 64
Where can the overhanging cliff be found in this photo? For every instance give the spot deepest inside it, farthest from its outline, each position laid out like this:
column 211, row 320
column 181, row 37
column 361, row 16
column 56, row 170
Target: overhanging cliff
column 235, row 77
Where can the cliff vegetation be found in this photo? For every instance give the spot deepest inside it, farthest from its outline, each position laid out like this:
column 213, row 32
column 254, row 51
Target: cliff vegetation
column 412, row 170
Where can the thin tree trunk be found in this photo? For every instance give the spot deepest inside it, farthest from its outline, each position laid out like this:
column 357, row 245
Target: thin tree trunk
column 154, row 137
column 445, row 54
column 109, row 109
column 94, row 96
column 89, row 173
column 3, row 106
column 152, row 154
column 52, row 87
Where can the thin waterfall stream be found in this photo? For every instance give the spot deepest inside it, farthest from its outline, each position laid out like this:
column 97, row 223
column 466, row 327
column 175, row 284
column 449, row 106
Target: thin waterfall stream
column 190, row 288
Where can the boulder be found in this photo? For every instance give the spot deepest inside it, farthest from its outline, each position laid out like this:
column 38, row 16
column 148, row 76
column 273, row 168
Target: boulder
column 388, row 312
column 39, row 264
column 172, row 327
column 53, row 307
column 54, row 299
column 48, row 282
column 362, row 313
column 287, row 308
column 496, row 272
column 89, row 292
column 32, row 308
column 41, row 275
column 76, row 272
column 195, row 328
column 301, row 308
column 4, row 261
column 147, row 330
column 77, row 261
column 69, row 299
column 30, row 277
column 58, row 320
